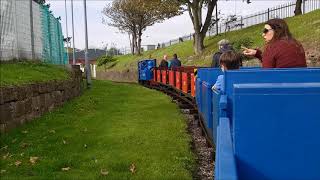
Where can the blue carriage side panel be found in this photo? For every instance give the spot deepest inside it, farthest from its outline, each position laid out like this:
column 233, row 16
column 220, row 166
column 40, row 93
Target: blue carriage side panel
column 145, row 68
column 207, row 104
column 206, row 77
column 276, row 130
column 215, row 114
column 292, row 75
column 225, row 162
column 198, row 93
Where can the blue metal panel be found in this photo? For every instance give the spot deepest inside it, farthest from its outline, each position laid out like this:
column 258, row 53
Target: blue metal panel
column 145, row 69
column 292, row 75
column 225, row 163
column 209, row 74
column 203, row 103
column 215, row 114
column 207, row 104
column 198, row 93
column 276, row 130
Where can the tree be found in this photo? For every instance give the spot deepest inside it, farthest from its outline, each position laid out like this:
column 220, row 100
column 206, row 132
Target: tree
column 134, row 16
column 153, row 11
column 104, row 60
column 119, row 16
column 298, row 10
column 195, row 8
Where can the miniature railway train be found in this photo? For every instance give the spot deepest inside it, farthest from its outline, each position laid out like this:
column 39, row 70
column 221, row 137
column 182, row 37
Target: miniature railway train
column 264, row 124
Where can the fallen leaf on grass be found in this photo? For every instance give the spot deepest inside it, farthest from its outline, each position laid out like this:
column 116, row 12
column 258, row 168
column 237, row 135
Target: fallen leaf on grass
column 33, row 160
column 65, row 169
column 104, row 172
column 24, row 145
column 5, row 156
column 85, row 146
column 24, row 132
column 4, row 147
column 64, row 141
column 133, row 168
column 52, row 131
column 3, row 171
column 21, row 154
column 17, row 163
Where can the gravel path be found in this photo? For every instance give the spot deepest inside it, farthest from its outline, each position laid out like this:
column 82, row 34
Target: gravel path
column 205, row 164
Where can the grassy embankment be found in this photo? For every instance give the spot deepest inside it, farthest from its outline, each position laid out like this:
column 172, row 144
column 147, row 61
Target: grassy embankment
column 305, row 28
column 113, row 131
column 20, row 73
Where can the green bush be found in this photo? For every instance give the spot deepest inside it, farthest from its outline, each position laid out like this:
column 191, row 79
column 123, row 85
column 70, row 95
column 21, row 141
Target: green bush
column 243, row 42
column 104, row 60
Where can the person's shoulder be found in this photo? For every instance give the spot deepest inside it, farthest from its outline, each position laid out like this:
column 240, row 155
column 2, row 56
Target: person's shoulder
column 282, row 42
column 217, row 54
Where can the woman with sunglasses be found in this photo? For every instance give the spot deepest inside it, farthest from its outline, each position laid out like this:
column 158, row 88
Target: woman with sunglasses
column 281, row 49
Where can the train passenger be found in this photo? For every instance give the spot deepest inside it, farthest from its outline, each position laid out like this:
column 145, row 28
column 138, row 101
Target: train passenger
column 175, row 62
column 223, row 46
column 281, row 49
column 228, row 61
column 164, row 62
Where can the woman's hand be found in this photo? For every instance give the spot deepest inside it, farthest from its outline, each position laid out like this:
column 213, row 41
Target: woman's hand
column 249, row 52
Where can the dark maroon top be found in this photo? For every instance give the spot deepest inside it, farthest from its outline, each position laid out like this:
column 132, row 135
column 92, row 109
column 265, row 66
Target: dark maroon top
column 282, row 54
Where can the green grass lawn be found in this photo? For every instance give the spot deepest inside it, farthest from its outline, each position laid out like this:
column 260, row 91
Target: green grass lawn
column 305, row 28
column 111, row 127
column 20, row 73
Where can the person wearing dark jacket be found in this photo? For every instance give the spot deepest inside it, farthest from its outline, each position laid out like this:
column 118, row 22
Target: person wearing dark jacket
column 175, row 62
column 281, row 49
column 164, row 62
column 224, row 46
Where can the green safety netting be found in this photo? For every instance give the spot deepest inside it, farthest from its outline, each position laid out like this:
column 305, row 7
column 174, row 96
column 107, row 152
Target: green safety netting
column 52, row 39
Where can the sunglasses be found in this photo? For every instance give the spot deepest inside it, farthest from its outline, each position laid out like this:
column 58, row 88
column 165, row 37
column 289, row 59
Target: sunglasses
column 265, row 30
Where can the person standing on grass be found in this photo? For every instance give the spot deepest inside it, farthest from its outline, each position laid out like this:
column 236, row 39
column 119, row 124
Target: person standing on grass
column 281, row 49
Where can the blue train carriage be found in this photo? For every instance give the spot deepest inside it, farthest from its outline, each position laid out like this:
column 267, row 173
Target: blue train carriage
column 145, row 70
column 206, row 77
column 267, row 124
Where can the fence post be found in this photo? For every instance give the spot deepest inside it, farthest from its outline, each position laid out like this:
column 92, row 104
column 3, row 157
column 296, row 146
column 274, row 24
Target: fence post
column 170, row 42
column 16, row 28
column 241, row 23
column 268, row 14
column 217, row 20
column 304, row 6
column 31, row 30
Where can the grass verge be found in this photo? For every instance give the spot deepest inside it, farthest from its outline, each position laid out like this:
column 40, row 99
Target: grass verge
column 20, row 73
column 110, row 128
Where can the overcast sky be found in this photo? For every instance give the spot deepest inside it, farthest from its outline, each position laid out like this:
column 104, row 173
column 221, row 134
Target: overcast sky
column 101, row 34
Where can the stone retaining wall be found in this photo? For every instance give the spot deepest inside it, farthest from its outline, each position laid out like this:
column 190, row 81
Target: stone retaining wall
column 118, row 76
column 20, row 104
